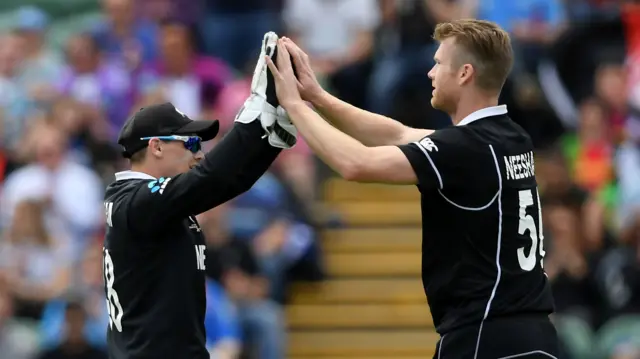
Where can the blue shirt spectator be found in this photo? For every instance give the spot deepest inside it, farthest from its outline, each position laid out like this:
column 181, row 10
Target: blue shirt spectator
column 508, row 13
column 221, row 320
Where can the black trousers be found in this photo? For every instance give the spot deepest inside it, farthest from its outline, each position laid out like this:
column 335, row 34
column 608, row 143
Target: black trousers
column 522, row 336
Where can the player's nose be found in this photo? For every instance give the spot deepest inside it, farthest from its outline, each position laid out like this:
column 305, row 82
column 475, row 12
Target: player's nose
column 198, row 156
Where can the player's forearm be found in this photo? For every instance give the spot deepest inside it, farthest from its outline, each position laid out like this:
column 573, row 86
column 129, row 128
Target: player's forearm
column 342, row 153
column 232, row 166
column 367, row 127
column 255, row 167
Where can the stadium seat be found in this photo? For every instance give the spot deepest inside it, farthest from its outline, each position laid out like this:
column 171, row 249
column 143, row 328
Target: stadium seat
column 379, row 213
column 360, row 291
column 373, row 264
column 383, row 240
column 354, row 316
column 373, row 304
column 339, row 190
column 365, row 343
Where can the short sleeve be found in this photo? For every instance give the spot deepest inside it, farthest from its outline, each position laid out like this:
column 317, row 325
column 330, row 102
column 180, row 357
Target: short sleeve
column 438, row 159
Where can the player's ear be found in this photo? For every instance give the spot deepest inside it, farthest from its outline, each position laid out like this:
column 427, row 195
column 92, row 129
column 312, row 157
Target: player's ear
column 465, row 74
column 155, row 147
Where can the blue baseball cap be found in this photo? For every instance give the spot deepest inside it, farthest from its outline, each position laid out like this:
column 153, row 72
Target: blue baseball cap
column 31, row 18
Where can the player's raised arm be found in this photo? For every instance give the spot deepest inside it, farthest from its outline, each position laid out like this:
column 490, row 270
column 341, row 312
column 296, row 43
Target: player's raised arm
column 211, row 179
column 367, row 127
column 350, row 158
column 261, row 130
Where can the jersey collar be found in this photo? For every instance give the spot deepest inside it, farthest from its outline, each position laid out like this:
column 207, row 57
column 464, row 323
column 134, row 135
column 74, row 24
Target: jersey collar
column 483, row 113
column 129, row 175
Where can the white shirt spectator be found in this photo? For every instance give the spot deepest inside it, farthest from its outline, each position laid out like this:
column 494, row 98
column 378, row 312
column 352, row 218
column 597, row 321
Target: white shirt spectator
column 75, row 192
column 327, row 28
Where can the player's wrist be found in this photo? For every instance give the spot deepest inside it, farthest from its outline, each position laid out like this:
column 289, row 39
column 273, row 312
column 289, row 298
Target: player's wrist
column 319, row 98
column 294, row 106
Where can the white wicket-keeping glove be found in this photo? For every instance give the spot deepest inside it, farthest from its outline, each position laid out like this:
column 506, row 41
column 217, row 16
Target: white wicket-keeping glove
column 263, row 103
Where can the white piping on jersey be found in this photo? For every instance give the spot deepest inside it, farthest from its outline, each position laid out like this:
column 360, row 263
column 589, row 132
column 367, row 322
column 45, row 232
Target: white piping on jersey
column 483, row 113
column 440, row 346
column 430, row 161
column 470, row 208
column 495, row 286
column 529, row 353
column 128, row 175
column 474, row 116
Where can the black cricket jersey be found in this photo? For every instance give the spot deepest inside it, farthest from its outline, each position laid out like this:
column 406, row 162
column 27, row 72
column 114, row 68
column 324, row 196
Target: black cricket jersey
column 482, row 244
column 154, row 250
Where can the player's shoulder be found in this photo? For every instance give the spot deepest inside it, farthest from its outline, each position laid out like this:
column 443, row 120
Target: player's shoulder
column 456, row 140
column 501, row 127
column 128, row 183
column 120, row 189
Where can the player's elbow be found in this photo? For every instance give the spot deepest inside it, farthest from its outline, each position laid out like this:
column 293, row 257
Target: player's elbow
column 355, row 170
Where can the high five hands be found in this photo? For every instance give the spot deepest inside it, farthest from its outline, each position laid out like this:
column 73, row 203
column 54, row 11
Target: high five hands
column 290, row 89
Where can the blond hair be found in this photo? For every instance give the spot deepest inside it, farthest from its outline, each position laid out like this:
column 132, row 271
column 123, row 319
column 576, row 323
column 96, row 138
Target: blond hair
column 484, row 45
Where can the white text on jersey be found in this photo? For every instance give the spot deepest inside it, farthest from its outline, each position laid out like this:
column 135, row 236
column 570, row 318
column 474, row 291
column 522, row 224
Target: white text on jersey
column 519, row 166
column 108, row 211
column 200, row 256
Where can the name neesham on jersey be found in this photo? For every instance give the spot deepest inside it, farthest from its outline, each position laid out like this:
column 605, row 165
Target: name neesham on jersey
column 519, row 166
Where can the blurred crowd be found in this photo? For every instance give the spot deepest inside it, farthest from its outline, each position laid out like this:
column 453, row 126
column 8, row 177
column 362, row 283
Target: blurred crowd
column 575, row 87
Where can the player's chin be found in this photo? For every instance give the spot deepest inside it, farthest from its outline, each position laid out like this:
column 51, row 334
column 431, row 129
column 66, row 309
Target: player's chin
column 434, row 103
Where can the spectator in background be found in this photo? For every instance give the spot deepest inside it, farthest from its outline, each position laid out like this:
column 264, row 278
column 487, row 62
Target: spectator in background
column 339, row 35
column 74, row 192
column 579, row 11
column 533, row 25
column 566, row 264
column 231, row 29
column 157, row 11
column 15, row 340
column 41, row 67
column 627, row 162
column 232, row 264
column 590, row 150
column 87, row 285
column 85, row 128
column 74, row 345
column 35, row 264
column 260, row 219
column 97, row 81
column 406, row 49
column 611, row 89
column 126, row 36
column 14, row 102
column 180, row 76
column 558, row 188
column 222, row 324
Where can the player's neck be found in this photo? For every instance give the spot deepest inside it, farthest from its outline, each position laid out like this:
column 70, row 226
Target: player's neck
column 145, row 169
column 470, row 104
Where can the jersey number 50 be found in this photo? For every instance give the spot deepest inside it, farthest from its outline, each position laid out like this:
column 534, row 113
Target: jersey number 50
column 113, row 302
column 528, row 261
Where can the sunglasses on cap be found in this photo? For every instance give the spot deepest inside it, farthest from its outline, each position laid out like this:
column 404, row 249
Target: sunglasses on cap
column 192, row 143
